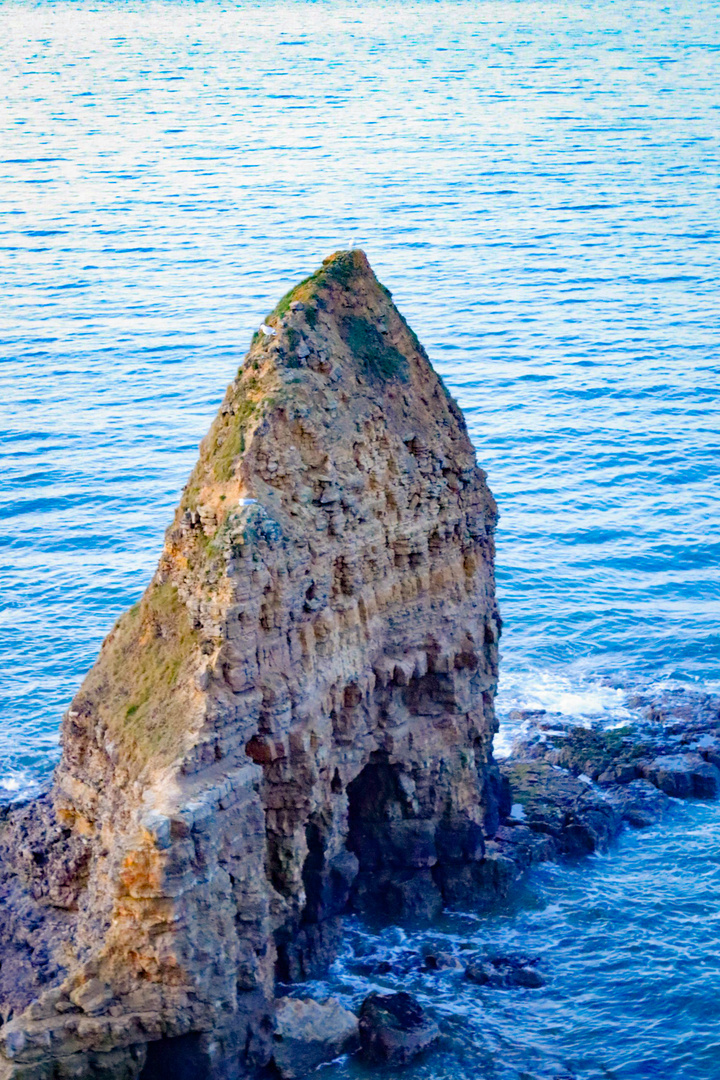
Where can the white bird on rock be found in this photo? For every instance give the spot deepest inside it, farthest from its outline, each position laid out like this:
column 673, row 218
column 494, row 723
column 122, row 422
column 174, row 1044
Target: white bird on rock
column 267, row 330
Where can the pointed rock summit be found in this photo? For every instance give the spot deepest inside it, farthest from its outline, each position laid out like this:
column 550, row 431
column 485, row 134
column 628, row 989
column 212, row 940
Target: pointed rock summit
column 294, row 721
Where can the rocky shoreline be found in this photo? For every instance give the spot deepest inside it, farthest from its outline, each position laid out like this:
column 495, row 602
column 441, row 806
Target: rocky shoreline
column 573, row 787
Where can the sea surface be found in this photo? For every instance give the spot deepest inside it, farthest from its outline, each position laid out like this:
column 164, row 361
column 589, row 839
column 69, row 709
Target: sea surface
column 537, row 184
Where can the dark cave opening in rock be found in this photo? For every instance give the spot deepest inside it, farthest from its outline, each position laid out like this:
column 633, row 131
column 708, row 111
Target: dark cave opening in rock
column 180, row 1058
column 312, row 873
column 305, row 947
column 394, row 846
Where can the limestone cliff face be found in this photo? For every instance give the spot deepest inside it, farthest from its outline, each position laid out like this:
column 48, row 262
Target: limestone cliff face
column 294, row 721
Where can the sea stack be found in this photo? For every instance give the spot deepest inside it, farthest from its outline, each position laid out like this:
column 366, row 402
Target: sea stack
column 295, row 721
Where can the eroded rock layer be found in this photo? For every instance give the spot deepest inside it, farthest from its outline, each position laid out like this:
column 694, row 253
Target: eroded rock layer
column 294, row 721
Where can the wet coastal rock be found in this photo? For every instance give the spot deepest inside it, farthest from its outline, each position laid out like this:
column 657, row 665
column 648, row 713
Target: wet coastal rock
column 577, row 782
column 294, row 721
column 394, row 1029
column 684, row 775
column 673, row 741
column 573, row 817
column 308, row 1033
column 506, row 972
column 442, row 961
column 403, row 961
column 639, row 803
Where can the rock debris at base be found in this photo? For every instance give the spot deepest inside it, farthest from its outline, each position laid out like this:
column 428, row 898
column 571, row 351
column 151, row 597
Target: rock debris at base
column 394, row 1029
column 571, row 786
column 309, row 1033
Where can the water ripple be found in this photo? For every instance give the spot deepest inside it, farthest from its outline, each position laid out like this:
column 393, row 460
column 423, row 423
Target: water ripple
column 537, row 185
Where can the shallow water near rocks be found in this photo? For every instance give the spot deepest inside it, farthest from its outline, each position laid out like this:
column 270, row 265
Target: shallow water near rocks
column 537, row 185
column 627, row 942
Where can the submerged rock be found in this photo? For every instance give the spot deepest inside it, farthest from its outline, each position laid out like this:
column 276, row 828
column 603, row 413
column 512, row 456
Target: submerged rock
column 308, row 1033
column 394, row 1029
column 403, row 962
column 507, row 972
column 442, row 961
column 296, row 717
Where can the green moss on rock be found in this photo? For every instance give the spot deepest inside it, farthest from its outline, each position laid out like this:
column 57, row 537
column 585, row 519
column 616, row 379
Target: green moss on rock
column 339, row 268
column 228, row 438
column 378, row 358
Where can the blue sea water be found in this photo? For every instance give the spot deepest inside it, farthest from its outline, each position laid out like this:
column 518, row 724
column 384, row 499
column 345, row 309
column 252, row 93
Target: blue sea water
column 537, row 183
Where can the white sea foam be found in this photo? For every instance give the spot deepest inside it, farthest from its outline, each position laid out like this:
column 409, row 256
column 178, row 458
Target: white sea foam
column 14, row 782
column 577, row 698
column 556, row 692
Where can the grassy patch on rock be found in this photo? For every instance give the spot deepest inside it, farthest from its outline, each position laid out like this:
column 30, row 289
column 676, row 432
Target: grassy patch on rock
column 228, row 432
column 144, row 662
column 339, row 268
column 226, row 441
column 377, row 357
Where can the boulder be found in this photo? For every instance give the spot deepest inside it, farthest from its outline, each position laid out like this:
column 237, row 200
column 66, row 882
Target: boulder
column 506, row 971
column 308, row 1033
column 524, row 846
column 571, row 811
column 684, row 775
column 394, row 1029
column 640, row 803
